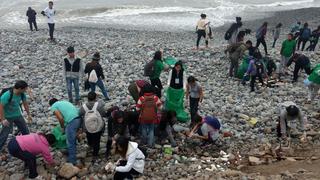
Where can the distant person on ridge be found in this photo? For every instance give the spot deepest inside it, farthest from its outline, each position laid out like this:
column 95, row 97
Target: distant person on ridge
column 32, row 18
column 305, row 34
column 202, row 30
column 314, row 39
column 50, row 13
column 276, row 34
column 295, row 29
column 261, row 35
column 232, row 32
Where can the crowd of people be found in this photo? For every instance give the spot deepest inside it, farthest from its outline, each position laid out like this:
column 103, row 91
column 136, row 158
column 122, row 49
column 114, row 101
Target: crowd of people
column 151, row 119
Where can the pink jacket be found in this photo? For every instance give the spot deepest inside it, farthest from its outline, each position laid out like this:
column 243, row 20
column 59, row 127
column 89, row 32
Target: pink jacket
column 35, row 144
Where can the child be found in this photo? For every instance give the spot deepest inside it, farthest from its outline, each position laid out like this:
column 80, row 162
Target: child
column 132, row 160
column 256, row 69
column 165, row 128
column 27, row 147
column 195, row 95
column 148, row 105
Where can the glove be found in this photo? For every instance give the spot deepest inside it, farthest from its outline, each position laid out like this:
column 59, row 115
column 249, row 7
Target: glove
column 5, row 123
column 110, row 167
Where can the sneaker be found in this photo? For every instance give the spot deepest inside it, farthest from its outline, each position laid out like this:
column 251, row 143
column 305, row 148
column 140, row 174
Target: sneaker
column 39, row 177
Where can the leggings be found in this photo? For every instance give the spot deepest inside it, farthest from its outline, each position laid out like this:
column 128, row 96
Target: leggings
column 263, row 42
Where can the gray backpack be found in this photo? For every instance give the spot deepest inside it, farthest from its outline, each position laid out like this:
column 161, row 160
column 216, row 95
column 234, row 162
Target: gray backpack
column 93, row 121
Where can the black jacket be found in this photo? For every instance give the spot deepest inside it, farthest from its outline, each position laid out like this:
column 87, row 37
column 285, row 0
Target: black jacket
column 94, row 66
column 302, row 61
column 31, row 15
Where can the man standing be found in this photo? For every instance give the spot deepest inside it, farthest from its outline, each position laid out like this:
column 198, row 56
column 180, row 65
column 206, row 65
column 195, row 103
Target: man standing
column 72, row 71
column 232, row 32
column 287, row 50
column 70, row 121
column 32, row 18
column 10, row 110
column 50, row 13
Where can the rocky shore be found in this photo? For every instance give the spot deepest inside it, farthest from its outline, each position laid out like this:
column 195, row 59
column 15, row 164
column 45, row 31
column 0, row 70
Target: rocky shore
column 29, row 56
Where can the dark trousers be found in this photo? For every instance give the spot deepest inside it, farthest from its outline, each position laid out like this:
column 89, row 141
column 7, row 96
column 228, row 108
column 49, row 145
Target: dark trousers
column 312, row 46
column 28, row 158
column 263, row 42
column 109, row 146
column 303, row 41
column 274, row 43
column 94, row 142
column 297, row 68
column 253, row 81
column 35, row 25
column 194, row 104
column 51, row 30
column 124, row 175
column 234, row 65
column 201, row 33
column 157, row 84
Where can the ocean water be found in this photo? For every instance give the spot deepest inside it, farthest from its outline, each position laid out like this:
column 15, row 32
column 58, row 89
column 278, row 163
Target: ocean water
column 159, row 14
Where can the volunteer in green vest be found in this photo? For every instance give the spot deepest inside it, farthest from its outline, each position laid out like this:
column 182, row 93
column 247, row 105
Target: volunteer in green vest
column 313, row 83
column 159, row 66
column 68, row 117
column 287, row 50
column 10, row 111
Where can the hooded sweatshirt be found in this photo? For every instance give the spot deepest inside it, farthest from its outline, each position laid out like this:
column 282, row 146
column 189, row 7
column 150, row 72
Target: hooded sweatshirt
column 135, row 159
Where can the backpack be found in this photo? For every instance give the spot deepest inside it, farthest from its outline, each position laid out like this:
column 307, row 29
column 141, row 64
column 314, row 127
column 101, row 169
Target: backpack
column 93, row 121
column 259, row 67
column 93, row 78
column 149, row 68
column 148, row 114
column 306, row 33
column 259, row 32
column 11, row 93
column 234, row 47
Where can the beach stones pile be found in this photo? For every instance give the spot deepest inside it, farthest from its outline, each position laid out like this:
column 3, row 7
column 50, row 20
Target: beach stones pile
column 29, row 56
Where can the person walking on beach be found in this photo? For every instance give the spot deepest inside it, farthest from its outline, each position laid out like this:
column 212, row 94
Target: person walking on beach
column 305, row 34
column 70, row 121
column 95, row 75
column 261, row 35
column 72, row 72
column 159, row 66
column 314, row 39
column 276, row 34
column 202, row 30
column 10, row 110
column 232, row 32
column 236, row 52
column 49, row 12
column 287, row 50
column 295, row 29
column 32, row 18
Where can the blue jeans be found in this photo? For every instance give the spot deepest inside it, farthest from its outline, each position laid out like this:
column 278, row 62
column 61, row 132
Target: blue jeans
column 71, row 133
column 75, row 82
column 147, row 131
column 6, row 130
column 101, row 86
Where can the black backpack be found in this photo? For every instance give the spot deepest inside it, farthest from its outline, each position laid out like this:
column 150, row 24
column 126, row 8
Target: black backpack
column 11, row 93
column 149, row 68
column 259, row 67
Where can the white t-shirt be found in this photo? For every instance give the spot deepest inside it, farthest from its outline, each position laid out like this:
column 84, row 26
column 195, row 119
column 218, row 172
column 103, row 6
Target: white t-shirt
column 50, row 14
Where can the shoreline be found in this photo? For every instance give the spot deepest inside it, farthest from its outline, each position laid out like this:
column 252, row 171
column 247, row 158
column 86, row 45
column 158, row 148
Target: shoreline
column 287, row 18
